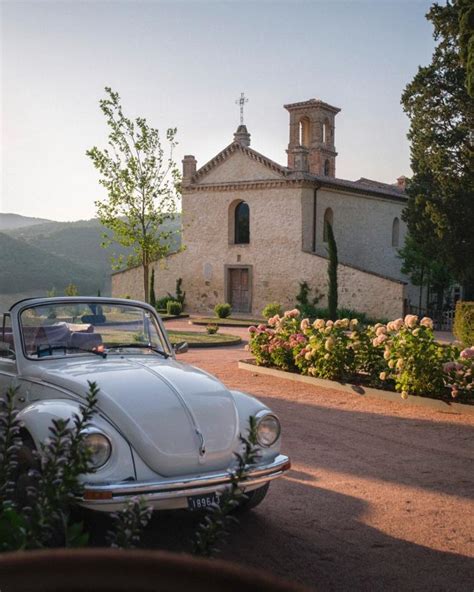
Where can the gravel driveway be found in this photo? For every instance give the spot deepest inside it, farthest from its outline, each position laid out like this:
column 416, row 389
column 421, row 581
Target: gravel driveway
column 380, row 496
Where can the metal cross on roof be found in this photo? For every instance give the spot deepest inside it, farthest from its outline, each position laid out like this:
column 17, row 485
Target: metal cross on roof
column 241, row 102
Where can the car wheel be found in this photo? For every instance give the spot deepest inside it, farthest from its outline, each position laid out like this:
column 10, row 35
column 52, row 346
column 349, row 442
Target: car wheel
column 254, row 498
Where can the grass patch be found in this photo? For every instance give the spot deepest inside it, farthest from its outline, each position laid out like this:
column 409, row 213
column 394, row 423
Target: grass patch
column 166, row 317
column 229, row 322
column 195, row 339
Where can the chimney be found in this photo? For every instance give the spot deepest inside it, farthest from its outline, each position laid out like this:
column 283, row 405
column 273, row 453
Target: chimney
column 401, row 182
column 189, row 168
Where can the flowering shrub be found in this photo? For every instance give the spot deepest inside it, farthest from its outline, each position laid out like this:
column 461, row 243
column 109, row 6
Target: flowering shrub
column 272, row 309
column 326, row 351
column 402, row 354
column 273, row 345
column 459, row 374
column 414, row 359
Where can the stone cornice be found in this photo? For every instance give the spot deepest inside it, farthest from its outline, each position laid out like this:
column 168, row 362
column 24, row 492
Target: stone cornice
column 311, row 103
column 249, row 185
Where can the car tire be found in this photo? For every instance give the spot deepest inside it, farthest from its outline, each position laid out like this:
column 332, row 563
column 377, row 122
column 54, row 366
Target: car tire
column 253, row 498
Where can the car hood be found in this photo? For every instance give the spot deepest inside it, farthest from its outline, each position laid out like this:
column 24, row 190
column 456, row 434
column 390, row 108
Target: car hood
column 177, row 418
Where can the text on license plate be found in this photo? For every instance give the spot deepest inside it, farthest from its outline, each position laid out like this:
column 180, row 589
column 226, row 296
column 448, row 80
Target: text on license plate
column 201, row 502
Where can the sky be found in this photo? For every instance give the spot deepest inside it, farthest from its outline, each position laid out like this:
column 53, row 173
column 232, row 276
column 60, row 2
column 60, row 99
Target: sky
column 183, row 64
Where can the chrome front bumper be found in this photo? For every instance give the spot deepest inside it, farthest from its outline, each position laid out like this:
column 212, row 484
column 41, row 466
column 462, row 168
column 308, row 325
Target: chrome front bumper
column 173, row 493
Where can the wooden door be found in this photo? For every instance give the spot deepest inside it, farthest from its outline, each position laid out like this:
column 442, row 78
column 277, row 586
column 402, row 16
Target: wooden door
column 239, row 289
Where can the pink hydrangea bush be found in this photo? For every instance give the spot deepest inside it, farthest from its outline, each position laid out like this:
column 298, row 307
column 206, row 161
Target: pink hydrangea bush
column 403, row 354
column 369, row 351
column 414, row 359
column 459, row 374
column 328, row 351
column 273, row 345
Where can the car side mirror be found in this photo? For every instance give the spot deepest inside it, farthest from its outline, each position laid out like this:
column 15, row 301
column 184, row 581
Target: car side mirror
column 181, row 347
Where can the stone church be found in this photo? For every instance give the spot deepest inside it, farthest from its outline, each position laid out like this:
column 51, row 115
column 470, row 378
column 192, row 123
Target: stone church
column 253, row 229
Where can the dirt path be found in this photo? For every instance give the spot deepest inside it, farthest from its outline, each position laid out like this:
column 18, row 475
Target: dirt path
column 380, row 496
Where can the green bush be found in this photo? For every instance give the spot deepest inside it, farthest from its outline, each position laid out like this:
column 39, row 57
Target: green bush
column 223, row 310
column 174, row 308
column 162, row 303
column 212, row 329
column 464, row 323
column 272, row 309
column 307, row 304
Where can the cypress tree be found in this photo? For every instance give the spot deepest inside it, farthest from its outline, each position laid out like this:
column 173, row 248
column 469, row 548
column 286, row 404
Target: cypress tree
column 152, row 288
column 332, row 274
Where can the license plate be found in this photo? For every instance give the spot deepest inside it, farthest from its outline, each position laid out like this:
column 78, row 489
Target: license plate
column 201, row 502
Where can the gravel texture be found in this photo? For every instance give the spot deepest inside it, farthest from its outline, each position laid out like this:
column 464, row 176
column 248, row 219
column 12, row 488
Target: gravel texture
column 380, row 496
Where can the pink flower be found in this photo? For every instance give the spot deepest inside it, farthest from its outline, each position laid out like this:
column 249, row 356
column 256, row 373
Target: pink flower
column 426, row 322
column 411, row 321
column 290, row 314
column 252, row 329
column 449, row 367
column 304, row 324
column 467, row 353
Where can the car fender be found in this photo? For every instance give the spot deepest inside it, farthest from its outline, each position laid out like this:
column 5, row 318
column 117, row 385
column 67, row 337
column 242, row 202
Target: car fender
column 37, row 419
column 247, row 406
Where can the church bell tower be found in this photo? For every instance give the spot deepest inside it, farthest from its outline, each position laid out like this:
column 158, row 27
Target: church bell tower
column 312, row 132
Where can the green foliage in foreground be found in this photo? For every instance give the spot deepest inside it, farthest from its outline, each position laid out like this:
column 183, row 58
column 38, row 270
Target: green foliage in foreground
column 38, row 490
column 219, row 518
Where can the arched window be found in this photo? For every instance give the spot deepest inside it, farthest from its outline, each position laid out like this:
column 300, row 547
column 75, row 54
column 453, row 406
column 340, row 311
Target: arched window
column 326, row 167
column 304, row 132
column 396, row 232
column 328, row 219
column 242, row 224
column 326, row 132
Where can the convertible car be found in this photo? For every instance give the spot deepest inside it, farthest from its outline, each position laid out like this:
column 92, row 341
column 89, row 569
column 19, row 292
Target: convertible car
column 164, row 430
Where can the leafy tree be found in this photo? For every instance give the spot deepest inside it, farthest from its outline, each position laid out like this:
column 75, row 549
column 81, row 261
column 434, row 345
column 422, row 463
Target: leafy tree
column 425, row 270
column 142, row 186
column 440, row 210
column 332, row 274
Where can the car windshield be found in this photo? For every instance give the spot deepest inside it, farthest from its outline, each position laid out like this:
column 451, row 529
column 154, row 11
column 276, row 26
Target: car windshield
column 78, row 328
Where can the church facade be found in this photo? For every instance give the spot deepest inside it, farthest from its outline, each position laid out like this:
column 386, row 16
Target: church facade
column 254, row 229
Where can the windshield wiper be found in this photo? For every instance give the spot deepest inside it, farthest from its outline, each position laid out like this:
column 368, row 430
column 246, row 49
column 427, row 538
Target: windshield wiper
column 140, row 346
column 47, row 350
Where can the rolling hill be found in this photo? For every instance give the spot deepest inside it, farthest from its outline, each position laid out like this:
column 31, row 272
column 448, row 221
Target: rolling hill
column 41, row 254
column 24, row 268
column 12, row 221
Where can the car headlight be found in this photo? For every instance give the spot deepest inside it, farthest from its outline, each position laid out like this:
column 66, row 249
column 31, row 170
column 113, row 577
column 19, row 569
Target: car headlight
column 268, row 430
column 100, row 448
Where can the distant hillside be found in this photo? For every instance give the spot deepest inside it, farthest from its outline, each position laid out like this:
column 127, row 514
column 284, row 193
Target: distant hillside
column 26, row 269
column 12, row 221
column 78, row 241
column 50, row 254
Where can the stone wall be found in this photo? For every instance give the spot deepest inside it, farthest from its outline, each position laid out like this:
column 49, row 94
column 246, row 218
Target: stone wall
column 362, row 229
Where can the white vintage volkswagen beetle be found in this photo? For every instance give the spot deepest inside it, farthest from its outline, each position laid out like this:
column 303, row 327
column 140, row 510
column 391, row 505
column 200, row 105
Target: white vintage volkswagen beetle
column 164, row 430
